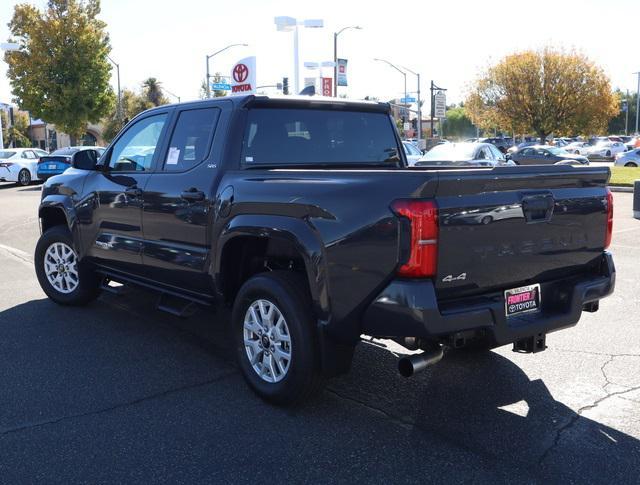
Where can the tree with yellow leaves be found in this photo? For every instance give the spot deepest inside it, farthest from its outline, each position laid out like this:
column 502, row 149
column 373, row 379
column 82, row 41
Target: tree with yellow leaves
column 546, row 91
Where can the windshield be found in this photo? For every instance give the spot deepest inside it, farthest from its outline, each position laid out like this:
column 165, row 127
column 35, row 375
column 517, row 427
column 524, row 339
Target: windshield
column 65, row 151
column 454, row 152
column 557, row 151
column 7, row 154
column 280, row 136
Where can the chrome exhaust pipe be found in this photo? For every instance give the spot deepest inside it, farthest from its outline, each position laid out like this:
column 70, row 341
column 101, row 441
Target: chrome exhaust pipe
column 411, row 364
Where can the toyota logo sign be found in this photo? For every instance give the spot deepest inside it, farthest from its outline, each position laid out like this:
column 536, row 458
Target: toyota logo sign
column 240, row 73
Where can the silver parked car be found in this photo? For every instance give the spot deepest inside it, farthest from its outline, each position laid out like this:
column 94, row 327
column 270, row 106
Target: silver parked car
column 412, row 152
column 628, row 159
column 463, row 154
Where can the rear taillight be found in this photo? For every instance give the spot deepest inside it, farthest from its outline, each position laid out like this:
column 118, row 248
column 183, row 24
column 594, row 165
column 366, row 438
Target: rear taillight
column 423, row 216
column 609, row 234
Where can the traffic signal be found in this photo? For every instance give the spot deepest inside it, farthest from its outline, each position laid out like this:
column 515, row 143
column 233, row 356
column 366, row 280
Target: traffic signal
column 285, row 85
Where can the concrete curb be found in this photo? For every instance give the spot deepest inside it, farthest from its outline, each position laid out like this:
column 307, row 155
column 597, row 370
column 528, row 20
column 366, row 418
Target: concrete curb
column 615, row 188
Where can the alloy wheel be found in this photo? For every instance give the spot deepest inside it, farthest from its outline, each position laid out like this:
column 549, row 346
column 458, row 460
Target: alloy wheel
column 61, row 267
column 267, row 341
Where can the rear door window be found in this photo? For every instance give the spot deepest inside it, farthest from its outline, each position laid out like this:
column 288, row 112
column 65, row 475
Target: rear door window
column 279, row 136
column 191, row 139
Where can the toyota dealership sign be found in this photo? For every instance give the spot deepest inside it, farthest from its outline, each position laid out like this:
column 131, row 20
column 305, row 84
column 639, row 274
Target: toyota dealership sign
column 243, row 76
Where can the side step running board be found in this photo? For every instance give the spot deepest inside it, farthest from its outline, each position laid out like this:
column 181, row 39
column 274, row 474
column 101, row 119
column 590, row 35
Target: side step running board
column 176, row 306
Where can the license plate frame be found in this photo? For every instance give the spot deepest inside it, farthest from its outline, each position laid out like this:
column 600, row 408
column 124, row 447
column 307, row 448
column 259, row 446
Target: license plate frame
column 52, row 166
column 521, row 300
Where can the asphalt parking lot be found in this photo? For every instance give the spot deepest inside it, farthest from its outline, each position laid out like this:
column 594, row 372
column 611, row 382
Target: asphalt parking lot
column 118, row 392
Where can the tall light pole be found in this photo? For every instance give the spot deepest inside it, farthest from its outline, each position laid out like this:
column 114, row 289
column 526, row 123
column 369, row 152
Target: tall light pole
column 215, row 54
column 637, row 101
column 171, row 94
column 335, row 56
column 119, row 91
column 405, row 83
column 419, row 107
column 7, row 47
column 289, row 24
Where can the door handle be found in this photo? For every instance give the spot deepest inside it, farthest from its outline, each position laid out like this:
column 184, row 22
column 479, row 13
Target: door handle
column 133, row 191
column 192, row 194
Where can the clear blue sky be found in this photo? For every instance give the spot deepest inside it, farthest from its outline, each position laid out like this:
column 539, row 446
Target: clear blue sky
column 449, row 43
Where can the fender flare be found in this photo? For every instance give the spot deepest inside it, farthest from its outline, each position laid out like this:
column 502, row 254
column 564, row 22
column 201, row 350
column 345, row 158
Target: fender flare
column 300, row 234
column 64, row 204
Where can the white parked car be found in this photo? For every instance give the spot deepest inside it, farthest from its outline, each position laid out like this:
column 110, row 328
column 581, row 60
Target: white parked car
column 20, row 165
column 578, row 147
column 606, row 149
column 412, row 152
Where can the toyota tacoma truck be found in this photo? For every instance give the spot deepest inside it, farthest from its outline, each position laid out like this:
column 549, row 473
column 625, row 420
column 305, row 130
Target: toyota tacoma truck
column 303, row 217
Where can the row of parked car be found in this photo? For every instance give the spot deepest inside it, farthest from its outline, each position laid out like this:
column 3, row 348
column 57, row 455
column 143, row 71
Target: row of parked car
column 26, row 165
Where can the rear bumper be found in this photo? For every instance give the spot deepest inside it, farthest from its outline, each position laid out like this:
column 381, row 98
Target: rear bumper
column 410, row 309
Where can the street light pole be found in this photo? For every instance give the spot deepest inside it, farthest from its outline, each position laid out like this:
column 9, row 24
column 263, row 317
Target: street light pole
column 405, row 83
column 335, row 56
column 419, row 124
column 626, row 121
column 119, row 91
column 215, row 54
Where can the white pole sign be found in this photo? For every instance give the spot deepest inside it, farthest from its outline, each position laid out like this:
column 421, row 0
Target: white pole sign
column 440, row 104
column 243, row 76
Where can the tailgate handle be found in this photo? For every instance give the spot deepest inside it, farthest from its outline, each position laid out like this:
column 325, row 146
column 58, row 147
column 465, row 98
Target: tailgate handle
column 538, row 208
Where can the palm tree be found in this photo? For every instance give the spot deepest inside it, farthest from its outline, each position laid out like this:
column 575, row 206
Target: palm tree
column 153, row 91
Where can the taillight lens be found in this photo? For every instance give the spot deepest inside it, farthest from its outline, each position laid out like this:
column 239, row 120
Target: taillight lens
column 607, row 239
column 423, row 216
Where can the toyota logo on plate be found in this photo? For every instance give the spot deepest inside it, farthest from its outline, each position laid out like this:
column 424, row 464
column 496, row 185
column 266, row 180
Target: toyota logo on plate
column 240, row 73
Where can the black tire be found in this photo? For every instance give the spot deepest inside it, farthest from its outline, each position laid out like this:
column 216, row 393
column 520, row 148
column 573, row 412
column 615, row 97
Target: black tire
column 24, row 177
column 608, row 154
column 289, row 292
column 487, row 220
column 88, row 287
column 630, row 164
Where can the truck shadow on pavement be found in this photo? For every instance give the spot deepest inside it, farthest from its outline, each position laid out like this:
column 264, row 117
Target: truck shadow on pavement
column 481, row 404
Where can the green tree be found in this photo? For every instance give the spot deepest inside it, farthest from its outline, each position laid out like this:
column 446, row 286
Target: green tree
column 16, row 135
column 61, row 72
column 458, row 124
column 546, row 91
column 617, row 123
column 132, row 104
column 152, row 89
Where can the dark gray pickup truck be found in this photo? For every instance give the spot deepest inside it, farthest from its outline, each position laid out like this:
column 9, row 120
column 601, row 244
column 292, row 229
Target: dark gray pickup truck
column 303, row 217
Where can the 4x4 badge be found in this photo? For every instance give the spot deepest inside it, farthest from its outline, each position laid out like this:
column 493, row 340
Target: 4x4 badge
column 450, row 278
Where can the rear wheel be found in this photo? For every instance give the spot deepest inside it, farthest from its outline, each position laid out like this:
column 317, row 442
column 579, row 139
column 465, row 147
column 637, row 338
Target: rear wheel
column 630, row 164
column 62, row 277
column 24, row 177
column 276, row 343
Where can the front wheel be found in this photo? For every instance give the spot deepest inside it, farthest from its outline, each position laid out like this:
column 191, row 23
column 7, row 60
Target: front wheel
column 276, row 343
column 630, row 164
column 62, row 277
column 608, row 154
column 24, row 177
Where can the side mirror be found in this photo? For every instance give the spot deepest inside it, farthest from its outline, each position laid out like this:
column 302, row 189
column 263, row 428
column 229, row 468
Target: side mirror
column 85, row 160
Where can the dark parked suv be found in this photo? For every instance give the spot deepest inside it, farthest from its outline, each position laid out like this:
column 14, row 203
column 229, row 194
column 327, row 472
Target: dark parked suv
column 303, row 217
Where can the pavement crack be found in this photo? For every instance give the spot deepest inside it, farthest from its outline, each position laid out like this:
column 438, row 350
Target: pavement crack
column 115, row 407
column 569, row 424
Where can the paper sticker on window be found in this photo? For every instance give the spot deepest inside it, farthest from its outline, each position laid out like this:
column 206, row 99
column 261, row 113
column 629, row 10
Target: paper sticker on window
column 248, row 159
column 173, row 156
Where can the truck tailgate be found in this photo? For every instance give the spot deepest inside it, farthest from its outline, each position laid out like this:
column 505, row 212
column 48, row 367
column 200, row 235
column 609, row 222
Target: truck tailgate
column 516, row 226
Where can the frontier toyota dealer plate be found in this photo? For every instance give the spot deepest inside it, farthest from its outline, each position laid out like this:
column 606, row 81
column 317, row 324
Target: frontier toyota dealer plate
column 522, row 300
